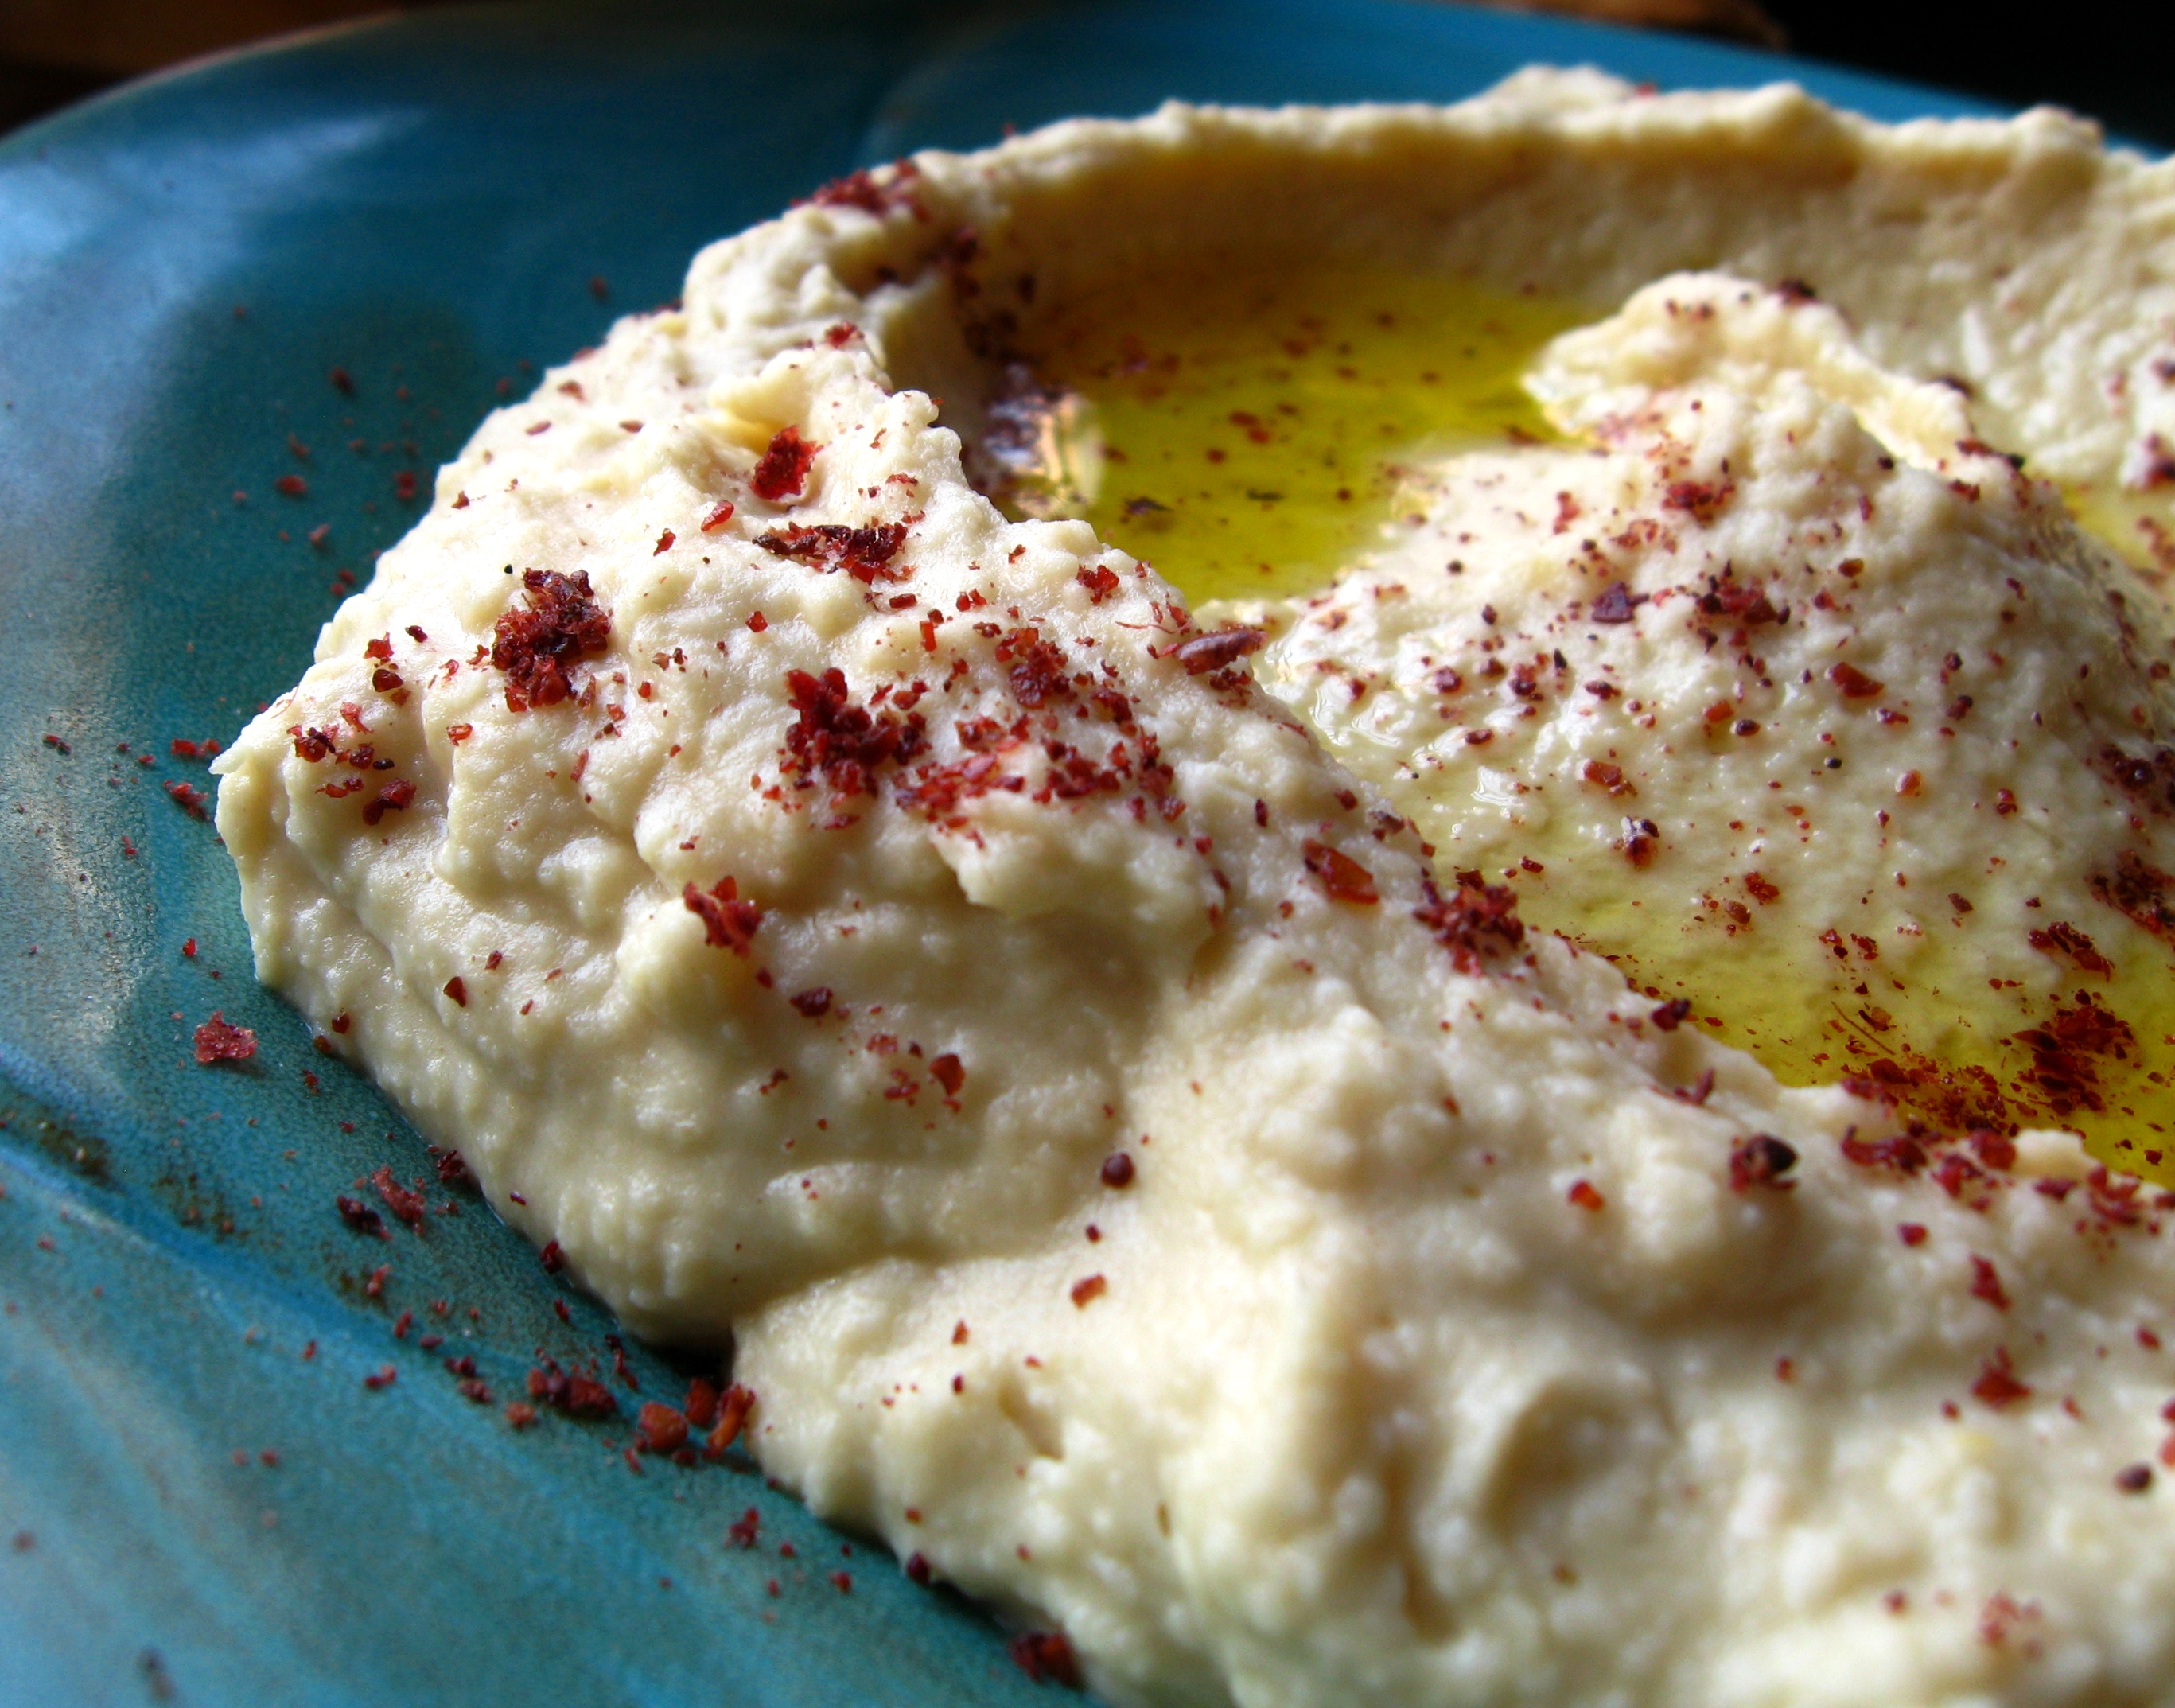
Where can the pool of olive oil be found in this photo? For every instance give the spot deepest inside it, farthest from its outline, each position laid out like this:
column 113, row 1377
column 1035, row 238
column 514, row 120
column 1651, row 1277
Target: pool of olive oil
column 1251, row 436
column 1255, row 432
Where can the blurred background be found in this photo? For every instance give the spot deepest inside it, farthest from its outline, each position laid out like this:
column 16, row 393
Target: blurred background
column 2109, row 61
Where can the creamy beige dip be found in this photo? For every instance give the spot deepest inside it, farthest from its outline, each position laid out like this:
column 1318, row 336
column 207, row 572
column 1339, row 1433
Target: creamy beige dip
column 1788, row 686
column 1455, row 1329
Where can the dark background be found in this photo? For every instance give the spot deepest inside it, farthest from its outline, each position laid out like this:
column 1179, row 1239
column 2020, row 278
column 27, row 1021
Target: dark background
column 2115, row 62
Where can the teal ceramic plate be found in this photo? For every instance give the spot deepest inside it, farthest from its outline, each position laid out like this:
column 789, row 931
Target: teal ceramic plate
column 244, row 311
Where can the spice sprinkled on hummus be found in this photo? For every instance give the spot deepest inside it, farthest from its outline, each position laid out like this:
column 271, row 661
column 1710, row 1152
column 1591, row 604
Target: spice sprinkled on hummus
column 838, row 887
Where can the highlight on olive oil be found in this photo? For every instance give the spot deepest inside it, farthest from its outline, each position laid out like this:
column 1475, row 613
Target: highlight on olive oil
column 1249, row 436
column 1914, row 1017
column 2139, row 526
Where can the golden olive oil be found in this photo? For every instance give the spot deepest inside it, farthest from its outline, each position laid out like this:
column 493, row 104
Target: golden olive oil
column 1254, row 432
column 1249, row 436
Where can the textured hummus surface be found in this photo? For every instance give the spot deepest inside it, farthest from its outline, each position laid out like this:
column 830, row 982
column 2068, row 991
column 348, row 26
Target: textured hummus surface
column 1786, row 658
column 1139, row 1179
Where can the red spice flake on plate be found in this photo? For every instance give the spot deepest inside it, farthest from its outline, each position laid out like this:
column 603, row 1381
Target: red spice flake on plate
column 1343, row 877
column 189, row 801
column 361, row 1216
column 1998, row 1386
column 218, row 1040
column 294, row 486
column 728, row 921
column 701, row 1404
column 732, row 1408
column 1761, row 1160
column 744, row 1530
column 917, row 1569
column 540, row 644
column 570, row 1391
column 1046, row 1656
column 863, row 553
column 782, row 470
column 520, row 1413
column 182, row 748
column 383, row 1377
column 552, row 1258
column 453, row 1170
column 1475, row 920
column 659, row 1428
column 408, row 1206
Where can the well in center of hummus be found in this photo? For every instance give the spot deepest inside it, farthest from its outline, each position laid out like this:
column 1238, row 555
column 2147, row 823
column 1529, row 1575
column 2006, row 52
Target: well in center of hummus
column 1251, row 432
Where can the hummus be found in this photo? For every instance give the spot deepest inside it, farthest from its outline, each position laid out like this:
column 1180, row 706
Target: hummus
column 1800, row 700
column 1149, row 1170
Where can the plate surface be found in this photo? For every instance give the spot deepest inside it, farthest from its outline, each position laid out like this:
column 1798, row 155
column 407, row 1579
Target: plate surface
column 200, row 1499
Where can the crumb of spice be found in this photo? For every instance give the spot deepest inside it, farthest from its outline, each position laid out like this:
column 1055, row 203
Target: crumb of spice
column 218, row 1039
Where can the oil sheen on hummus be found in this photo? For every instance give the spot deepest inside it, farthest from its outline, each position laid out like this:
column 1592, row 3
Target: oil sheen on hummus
column 1152, row 1087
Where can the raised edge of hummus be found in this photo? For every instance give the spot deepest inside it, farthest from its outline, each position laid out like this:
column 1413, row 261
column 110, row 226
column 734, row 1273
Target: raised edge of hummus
column 1142, row 1177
